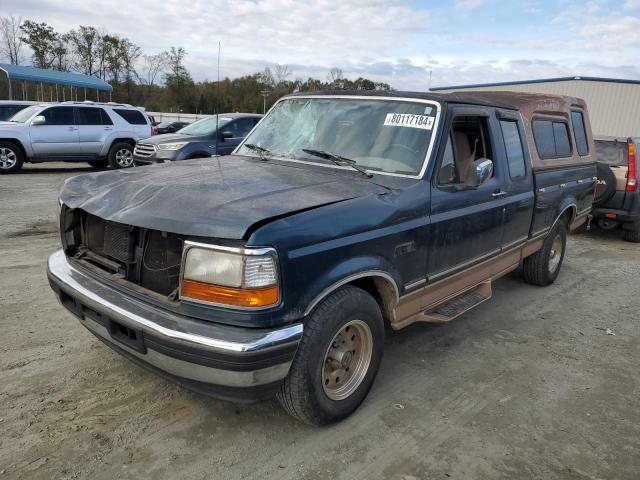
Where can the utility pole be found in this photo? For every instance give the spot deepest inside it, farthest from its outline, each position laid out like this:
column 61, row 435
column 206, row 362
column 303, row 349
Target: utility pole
column 265, row 94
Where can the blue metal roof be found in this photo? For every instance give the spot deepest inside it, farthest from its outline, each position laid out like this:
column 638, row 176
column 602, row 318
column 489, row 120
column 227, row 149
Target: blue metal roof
column 542, row 80
column 32, row 74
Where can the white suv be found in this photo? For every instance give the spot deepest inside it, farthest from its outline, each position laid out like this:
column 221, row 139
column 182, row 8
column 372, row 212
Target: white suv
column 98, row 133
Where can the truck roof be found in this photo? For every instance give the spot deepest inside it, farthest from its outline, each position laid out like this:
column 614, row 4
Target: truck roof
column 509, row 100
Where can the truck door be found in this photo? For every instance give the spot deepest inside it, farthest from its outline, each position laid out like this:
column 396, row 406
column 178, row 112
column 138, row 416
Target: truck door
column 467, row 222
column 519, row 180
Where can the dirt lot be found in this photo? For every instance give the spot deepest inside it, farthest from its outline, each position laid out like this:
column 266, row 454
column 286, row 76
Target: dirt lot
column 528, row 385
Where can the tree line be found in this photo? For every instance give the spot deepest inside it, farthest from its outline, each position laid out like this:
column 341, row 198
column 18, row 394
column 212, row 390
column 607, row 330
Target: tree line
column 160, row 81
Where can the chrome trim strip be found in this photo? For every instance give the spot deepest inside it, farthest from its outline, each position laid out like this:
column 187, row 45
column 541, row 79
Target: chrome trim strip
column 515, row 243
column 415, row 284
column 425, row 162
column 64, row 275
column 369, row 273
column 193, row 371
column 460, row 266
column 247, row 251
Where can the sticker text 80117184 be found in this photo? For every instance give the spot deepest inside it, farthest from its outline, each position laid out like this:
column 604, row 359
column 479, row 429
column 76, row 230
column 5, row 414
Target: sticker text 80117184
column 411, row 120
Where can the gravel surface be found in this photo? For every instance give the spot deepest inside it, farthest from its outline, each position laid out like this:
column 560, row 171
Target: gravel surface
column 528, row 385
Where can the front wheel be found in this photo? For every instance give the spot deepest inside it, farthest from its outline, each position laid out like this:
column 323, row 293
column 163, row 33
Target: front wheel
column 121, row 155
column 542, row 268
column 337, row 359
column 11, row 158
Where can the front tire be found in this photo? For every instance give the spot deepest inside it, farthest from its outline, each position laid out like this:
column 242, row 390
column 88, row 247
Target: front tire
column 337, row 359
column 11, row 158
column 121, row 155
column 542, row 268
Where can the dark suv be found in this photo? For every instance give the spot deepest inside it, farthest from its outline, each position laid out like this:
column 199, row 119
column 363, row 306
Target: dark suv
column 617, row 201
column 204, row 138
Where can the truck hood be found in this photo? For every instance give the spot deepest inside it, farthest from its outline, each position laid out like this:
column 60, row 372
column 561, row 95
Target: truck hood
column 221, row 197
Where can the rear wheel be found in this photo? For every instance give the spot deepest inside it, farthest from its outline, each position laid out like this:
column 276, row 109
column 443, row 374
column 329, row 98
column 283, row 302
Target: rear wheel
column 632, row 236
column 542, row 268
column 11, row 158
column 337, row 359
column 121, row 155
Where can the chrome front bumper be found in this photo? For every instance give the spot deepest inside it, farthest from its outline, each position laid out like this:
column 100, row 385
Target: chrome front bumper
column 220, row 360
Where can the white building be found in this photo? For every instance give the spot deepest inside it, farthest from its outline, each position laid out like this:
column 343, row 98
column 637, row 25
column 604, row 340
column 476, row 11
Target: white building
column 614, row 104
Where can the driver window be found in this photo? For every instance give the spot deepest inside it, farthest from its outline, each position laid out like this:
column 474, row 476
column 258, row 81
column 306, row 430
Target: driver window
column 467, row 142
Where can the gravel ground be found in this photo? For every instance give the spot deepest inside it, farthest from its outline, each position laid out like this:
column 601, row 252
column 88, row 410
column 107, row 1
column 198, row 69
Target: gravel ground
column 528, row 385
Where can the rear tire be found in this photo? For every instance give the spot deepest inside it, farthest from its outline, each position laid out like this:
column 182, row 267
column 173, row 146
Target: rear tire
column 121, row 155
column 337, row 358
column 99, row 164
column 632, row 236
column 542, row 268
column 11, row 158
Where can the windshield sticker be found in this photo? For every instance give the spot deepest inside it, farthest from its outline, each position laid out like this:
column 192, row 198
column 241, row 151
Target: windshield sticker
column 428, row 110
column 409, row 120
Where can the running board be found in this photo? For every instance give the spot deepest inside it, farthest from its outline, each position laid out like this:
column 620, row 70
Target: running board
column 457, row 305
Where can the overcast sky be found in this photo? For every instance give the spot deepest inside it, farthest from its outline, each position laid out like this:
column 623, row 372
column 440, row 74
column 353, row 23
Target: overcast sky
column 395, row 41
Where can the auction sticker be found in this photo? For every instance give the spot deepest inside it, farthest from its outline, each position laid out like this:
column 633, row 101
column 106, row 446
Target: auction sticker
column 409, row 120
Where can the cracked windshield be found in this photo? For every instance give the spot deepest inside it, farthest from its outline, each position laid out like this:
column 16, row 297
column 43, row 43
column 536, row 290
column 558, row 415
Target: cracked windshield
column 384, row 136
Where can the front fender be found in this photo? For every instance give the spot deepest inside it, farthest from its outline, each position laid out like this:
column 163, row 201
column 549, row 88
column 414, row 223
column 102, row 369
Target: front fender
column 347, row 271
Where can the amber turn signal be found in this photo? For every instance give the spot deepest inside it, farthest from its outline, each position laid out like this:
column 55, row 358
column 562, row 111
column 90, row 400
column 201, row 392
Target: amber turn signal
column 252, row 298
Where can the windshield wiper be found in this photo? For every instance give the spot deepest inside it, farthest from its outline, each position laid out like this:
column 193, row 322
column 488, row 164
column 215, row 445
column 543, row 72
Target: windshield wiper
column 338, row 160
column 263, row 152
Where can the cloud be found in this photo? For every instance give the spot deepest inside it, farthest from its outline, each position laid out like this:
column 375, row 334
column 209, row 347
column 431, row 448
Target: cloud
column 393, row 41
column 468, row 5
column 632, row 5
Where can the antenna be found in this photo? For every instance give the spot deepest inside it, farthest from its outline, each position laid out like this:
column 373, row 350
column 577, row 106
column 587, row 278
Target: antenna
column 218, row 100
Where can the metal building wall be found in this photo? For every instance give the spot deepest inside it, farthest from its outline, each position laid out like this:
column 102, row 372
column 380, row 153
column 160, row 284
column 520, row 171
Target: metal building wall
column 614, row 108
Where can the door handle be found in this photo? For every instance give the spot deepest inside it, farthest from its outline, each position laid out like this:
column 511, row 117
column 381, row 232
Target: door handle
column 71, row 129
column 108, row 128
column 499, row 194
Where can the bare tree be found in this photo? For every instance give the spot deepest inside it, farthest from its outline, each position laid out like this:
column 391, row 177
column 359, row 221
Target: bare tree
column 154, row 66
column 280, row 73
column 10, row 41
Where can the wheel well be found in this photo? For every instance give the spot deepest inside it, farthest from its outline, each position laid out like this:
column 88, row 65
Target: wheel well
column 18, row 144
column 568, row 215
column 130, row 141
column 198, row 155
column 382, row 291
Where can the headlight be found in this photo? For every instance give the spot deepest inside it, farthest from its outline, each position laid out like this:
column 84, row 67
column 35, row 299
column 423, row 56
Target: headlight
column 171, row 146
column 246, row 278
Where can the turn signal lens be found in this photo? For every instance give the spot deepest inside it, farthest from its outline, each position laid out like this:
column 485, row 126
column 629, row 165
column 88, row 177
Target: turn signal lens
column 239, row 277
column 259, row 297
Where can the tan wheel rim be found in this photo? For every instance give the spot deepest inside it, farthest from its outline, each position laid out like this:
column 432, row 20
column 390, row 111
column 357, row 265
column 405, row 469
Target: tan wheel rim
column 555, row 254
column 347, row 360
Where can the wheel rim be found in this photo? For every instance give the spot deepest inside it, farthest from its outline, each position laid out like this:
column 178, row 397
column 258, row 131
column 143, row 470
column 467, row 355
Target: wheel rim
column 124, row 157
column 8, row 158
column 347, row 360
column 555, row 254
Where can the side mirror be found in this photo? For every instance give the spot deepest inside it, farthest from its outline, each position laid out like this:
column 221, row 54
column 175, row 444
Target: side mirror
column 38, row 120
column 226, row 134
column 479, row 172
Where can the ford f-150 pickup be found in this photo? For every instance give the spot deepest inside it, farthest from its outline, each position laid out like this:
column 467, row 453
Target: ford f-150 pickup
column 274, row 270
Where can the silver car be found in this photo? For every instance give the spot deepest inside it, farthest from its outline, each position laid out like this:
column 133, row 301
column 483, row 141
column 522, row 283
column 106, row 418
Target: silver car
column 102, row 134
